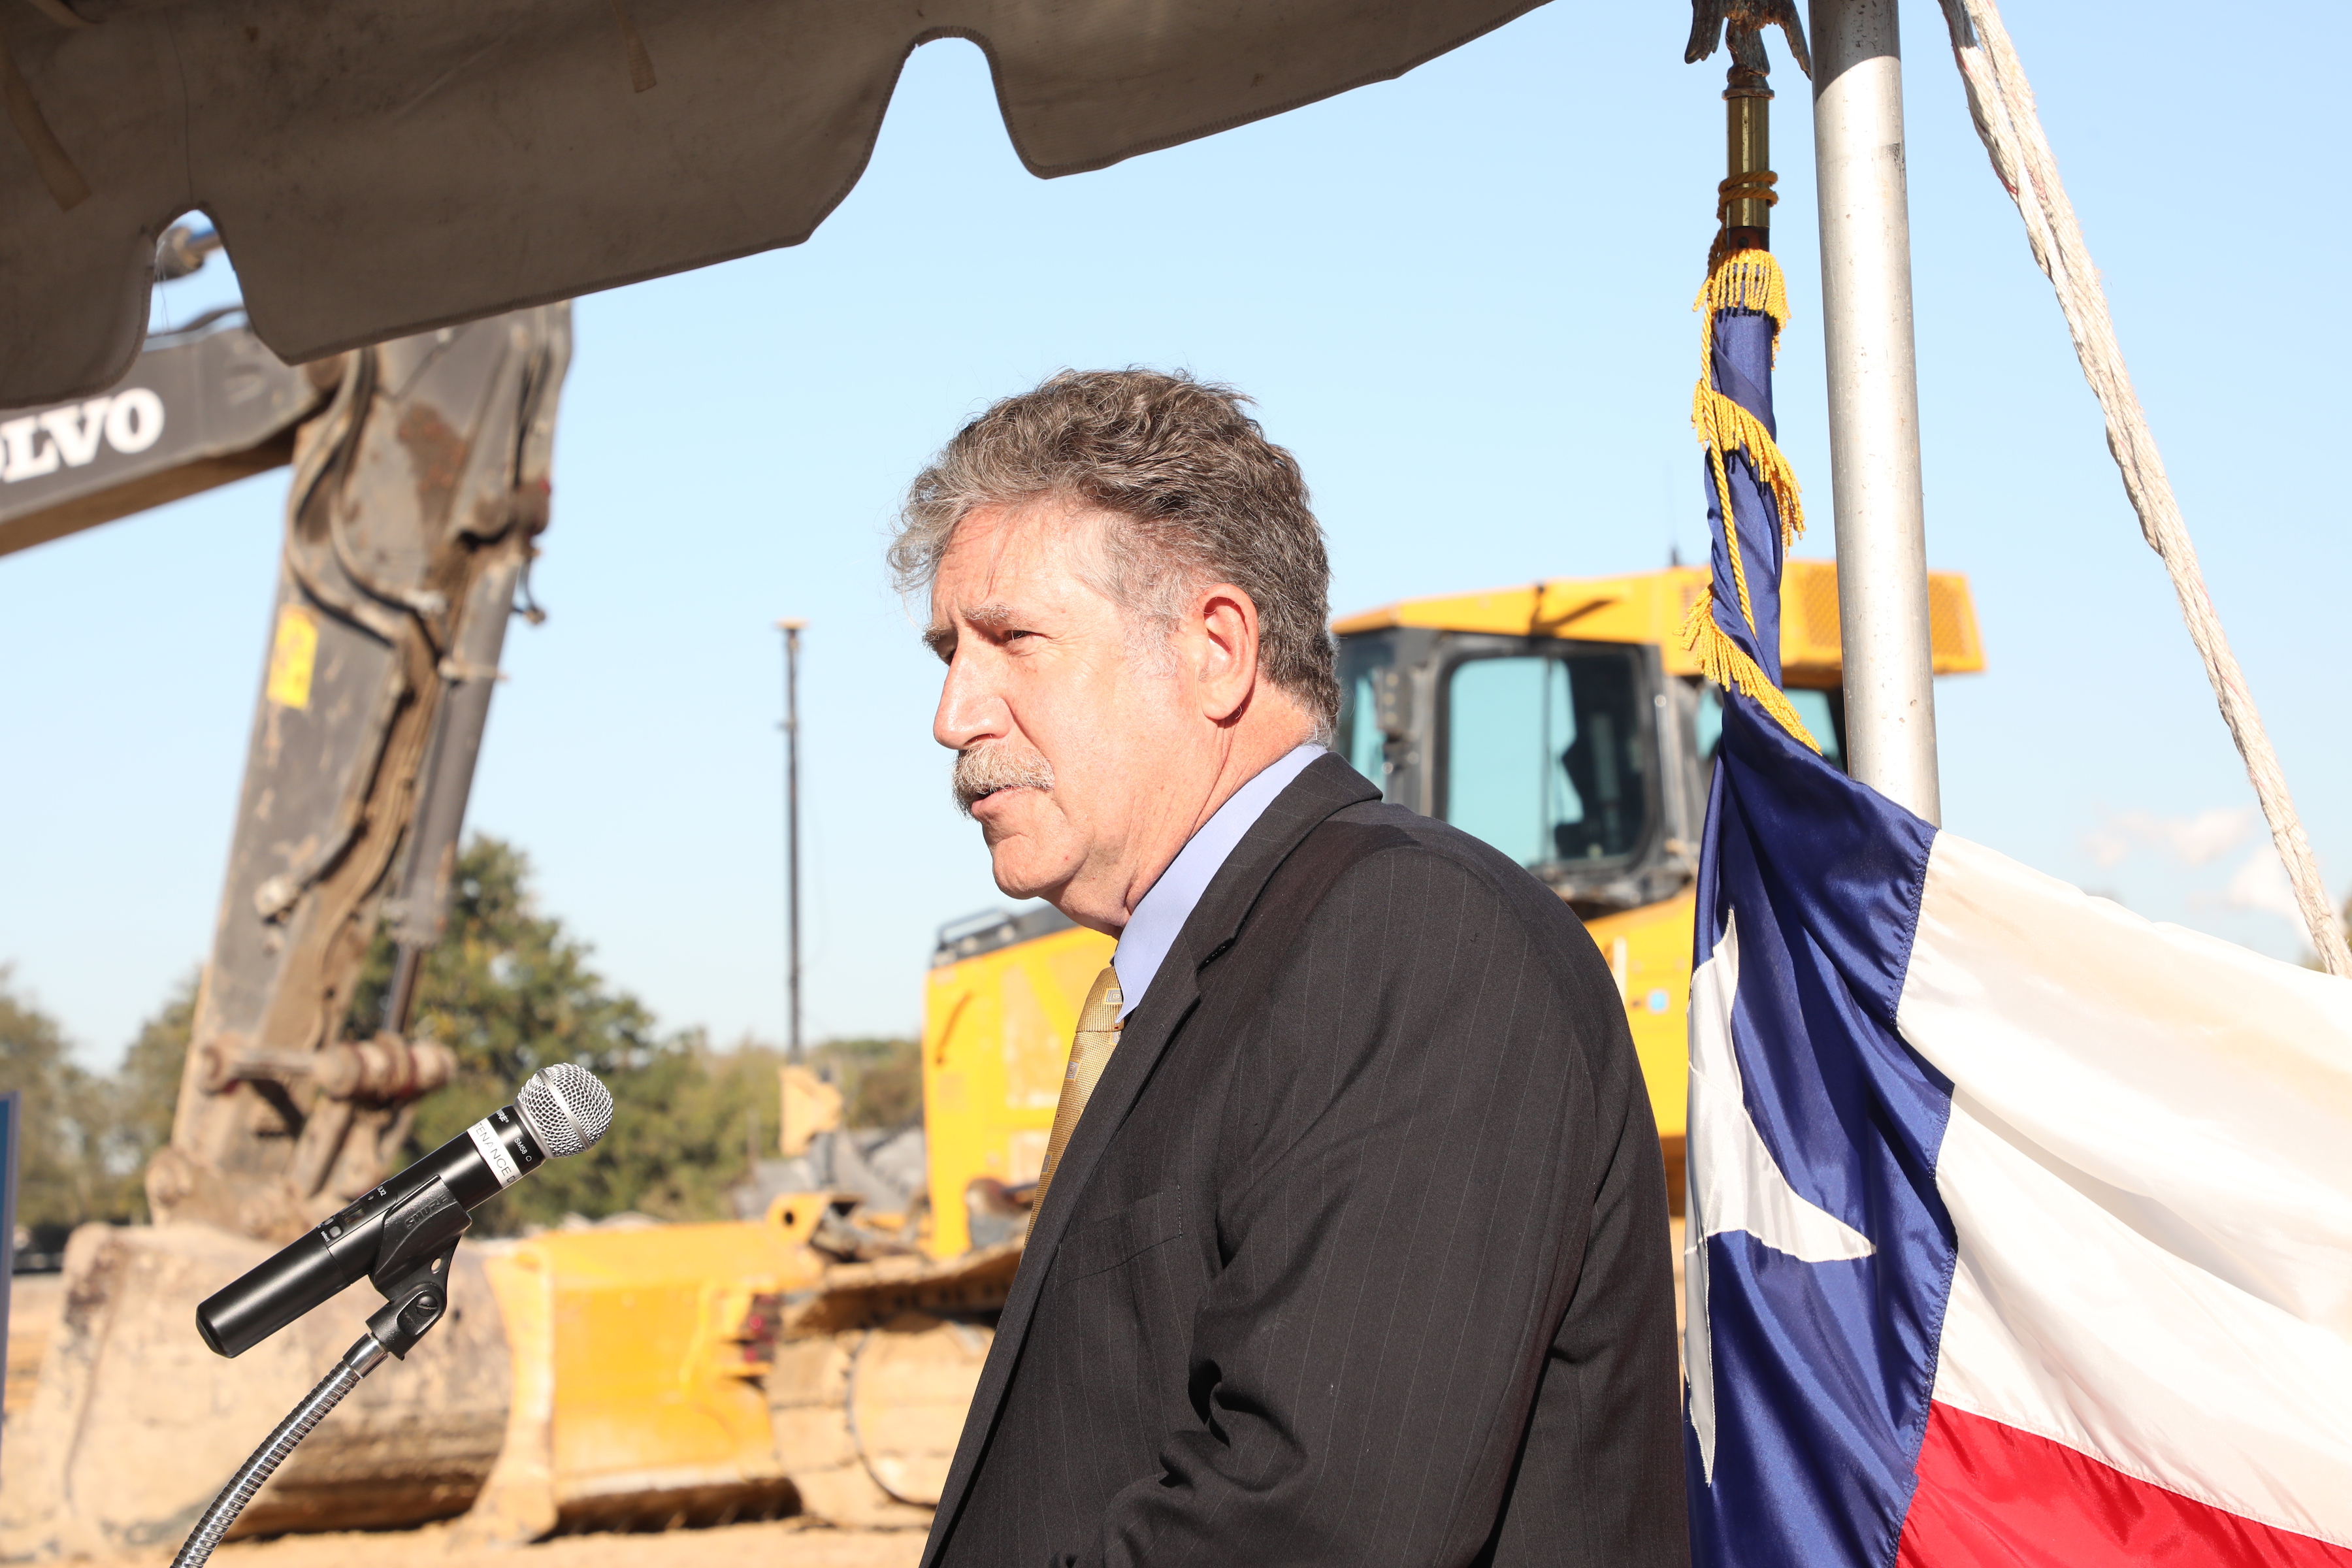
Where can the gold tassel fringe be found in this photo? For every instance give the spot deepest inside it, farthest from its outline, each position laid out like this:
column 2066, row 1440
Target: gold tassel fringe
column 1721, row 661
column 1745, row 280
column 1724, row 427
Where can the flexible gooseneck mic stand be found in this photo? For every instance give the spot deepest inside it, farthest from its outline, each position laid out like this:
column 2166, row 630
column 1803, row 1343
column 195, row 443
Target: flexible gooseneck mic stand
column 412, row 1273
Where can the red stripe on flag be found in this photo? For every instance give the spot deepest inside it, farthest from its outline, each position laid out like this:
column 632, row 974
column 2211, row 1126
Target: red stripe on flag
column 1994, row 1497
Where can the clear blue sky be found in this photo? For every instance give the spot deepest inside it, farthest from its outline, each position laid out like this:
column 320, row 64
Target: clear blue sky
column 1462, row 299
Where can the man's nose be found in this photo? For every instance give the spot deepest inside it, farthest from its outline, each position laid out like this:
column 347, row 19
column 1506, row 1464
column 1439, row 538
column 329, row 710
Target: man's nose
column 970, row 710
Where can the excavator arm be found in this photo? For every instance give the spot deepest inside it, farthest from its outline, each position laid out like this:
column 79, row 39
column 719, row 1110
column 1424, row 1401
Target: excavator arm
column 416, row 494
column 201, row 408
column 420, row 482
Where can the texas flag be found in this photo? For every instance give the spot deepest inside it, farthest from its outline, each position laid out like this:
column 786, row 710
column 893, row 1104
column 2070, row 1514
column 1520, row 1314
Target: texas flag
column 2018, row 1227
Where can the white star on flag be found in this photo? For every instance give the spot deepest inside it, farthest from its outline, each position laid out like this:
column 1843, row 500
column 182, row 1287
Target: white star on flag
column 1734, row 1184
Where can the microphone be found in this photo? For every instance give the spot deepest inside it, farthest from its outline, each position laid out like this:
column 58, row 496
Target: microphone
column 559, row 1112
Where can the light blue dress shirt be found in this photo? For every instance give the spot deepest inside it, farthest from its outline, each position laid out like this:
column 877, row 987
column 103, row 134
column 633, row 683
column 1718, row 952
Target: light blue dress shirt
column 1151, row 931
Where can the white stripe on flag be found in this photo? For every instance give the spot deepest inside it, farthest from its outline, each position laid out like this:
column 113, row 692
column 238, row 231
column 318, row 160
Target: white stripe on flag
column 2149, row 1165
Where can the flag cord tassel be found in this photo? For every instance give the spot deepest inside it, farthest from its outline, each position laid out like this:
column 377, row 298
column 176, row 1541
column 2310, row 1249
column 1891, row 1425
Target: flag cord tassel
column 2001, row 100
column 1742, row 280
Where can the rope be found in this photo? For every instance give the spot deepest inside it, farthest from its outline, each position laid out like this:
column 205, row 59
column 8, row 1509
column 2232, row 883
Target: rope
column 1754, row 186
column 2001, row 100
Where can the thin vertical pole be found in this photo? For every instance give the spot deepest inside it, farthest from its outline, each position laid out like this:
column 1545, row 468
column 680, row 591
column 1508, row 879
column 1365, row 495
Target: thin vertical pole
column 1874, row 396
column 792, row 630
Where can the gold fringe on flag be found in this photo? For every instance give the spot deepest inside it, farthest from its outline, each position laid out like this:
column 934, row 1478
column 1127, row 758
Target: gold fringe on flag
column 1745, row 280
column 1722, row 661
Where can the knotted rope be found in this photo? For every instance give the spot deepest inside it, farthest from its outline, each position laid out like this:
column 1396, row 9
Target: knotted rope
column 2001, row 100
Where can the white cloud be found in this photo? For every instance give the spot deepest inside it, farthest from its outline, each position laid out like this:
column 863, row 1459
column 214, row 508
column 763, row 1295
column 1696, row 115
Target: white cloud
column 2107, row 845
column 2195, row 840
column 2261, row 884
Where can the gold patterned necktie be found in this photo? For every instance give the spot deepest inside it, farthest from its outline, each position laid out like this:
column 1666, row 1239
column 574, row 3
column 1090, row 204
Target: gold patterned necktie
column 1090, row 1050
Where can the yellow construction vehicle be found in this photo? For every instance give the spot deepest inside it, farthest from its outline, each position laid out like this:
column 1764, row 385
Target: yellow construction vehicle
column 1561, row 722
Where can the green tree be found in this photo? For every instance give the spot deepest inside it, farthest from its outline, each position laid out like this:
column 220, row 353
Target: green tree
column 686, row 1127
column 508, row 988
column 142, row 1098
column 62, row 1179
column 881, row 1079
column 509, row 991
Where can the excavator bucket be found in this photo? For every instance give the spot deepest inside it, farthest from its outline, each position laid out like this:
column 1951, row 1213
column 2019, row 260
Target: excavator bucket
column 133, row 1425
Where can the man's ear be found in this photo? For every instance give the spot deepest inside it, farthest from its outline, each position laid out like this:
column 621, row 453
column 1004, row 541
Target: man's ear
column 1225, row 619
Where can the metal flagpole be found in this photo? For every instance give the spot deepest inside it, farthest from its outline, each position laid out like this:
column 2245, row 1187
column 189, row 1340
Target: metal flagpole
column 791, row 728
column 1873, row 395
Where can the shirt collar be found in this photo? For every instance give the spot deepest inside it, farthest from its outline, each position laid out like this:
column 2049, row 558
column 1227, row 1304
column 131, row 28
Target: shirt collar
column 1153, row 930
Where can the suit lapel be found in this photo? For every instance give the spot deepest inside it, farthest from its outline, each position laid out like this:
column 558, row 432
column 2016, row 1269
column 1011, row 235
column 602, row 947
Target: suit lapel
column 1326, row 784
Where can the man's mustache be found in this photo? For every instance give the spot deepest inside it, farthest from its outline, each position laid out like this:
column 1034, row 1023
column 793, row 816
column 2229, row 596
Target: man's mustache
column 981, row 770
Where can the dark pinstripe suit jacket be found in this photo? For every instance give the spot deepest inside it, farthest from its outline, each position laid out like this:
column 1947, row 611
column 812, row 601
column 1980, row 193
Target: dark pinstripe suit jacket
column 1360, row 1254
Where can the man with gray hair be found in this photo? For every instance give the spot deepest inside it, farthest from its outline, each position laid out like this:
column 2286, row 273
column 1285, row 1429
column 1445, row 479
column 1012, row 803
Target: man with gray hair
column 1351, row 1246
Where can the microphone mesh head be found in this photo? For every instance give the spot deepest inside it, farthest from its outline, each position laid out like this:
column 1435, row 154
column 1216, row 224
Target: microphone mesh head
column 565, row 1108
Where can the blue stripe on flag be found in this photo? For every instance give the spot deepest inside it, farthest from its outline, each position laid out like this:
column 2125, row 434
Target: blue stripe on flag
column 1821, row 1370
column 1741, row 360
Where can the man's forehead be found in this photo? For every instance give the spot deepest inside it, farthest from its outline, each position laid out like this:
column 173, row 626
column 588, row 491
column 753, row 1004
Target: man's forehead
column 991, row 599
column 1004, row 564
column 1014, row 536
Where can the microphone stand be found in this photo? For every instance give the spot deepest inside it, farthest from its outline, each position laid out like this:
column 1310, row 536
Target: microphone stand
column 412, row 1273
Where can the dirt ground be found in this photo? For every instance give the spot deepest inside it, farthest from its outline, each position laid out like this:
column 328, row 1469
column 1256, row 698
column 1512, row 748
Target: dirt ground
column 786, row 1544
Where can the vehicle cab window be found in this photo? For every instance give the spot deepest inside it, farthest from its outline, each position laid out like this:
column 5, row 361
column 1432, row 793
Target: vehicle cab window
column 1546, row 756
column 1358, row 737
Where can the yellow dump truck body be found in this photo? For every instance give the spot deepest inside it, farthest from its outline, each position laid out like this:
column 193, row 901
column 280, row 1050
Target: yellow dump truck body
column 1648, row 951
column 996, row 1038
